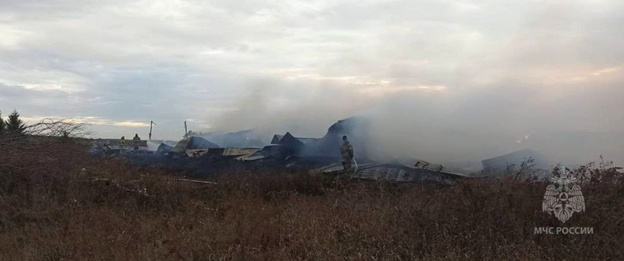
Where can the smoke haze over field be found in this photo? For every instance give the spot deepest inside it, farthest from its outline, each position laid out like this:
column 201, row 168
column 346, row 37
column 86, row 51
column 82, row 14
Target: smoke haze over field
column 441, row 80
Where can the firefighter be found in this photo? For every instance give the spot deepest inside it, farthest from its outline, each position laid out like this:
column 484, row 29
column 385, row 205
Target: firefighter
column 135, row 141
column 122, row 143
column 107, row 149
column 346, row 153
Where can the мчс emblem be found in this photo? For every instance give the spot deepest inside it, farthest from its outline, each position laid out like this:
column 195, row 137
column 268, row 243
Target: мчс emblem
column 562, row 200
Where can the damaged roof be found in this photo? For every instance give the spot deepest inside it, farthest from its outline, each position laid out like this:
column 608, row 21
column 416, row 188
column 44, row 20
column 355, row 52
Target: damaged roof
column 289, row 139
column 193, row 143
column 399, row 172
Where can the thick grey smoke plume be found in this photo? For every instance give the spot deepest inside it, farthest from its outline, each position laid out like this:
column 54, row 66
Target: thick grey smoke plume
column 446, row 125
column 548, row 77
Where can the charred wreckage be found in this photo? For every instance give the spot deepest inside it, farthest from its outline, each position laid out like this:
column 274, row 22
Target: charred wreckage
column 199, row 157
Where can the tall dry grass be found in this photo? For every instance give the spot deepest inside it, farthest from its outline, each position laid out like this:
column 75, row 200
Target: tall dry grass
column 50, row 209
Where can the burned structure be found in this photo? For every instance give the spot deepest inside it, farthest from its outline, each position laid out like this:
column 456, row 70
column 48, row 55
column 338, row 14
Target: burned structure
column 317, row 155
column 194, row 146
column 308, row 152
column 405, row 170
column 114, row 146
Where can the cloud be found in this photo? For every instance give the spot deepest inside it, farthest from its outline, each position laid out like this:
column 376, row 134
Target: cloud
column 131, row 124
column 384, row 91
column 606, row 71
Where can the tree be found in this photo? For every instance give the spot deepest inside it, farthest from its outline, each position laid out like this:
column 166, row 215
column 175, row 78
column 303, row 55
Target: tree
column 14, row 124
column 1, row 123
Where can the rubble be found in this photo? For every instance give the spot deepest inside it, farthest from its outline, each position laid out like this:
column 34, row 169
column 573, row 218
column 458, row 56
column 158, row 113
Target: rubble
column 163, row 148
column 194, row 143
column 199, row 157
column 399, row 171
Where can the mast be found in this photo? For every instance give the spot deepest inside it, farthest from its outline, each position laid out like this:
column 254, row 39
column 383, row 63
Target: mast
column 150, row 133
column 185, row 130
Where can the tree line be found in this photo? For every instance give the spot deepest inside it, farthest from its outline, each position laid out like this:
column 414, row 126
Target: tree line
column 13, row 124
column 13, row 128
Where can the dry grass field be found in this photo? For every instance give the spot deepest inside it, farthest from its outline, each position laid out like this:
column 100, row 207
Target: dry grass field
column 52, row 209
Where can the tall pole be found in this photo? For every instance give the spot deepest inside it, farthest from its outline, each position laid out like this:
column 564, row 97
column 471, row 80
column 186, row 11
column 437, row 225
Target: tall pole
column 185, row 130
column 150, row 134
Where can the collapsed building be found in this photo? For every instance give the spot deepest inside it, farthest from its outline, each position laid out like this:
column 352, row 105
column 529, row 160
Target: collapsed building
column 318, row 151
column 114, row 145
column 407, row 170
column 194, row 146
column 317, row 155
column 321, row 155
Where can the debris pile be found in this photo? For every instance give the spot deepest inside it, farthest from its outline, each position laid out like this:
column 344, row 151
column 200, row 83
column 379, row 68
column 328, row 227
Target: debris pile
column 200, row 157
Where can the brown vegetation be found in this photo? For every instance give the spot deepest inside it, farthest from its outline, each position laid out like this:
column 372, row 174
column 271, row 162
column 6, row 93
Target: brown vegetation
column 52, row 209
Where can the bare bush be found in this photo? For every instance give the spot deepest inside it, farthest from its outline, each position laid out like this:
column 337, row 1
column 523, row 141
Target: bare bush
column 602, row 172
column 59, row 128
column 39, row 142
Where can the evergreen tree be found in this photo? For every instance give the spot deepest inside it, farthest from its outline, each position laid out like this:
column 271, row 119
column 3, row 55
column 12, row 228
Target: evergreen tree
column 1, row 123
column 14, row 124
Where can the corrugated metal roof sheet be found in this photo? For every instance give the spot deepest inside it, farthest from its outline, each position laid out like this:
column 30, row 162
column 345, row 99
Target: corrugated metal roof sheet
column 396, row 172
column 180, row 146
column 194, row 143
column 252, row 157
column 239, row 151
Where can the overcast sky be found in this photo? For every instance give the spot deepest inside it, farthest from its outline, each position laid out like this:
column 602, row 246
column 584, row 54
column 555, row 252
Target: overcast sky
column 515, row 68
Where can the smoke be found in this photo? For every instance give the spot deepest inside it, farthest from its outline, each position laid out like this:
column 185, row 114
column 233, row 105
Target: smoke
column 152, row 146
column 451, row 93
column 444, row 125
column 270, row 106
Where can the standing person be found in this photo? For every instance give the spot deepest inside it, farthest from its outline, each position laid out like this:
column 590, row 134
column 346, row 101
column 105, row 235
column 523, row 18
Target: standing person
column 135, row 141
column 122, row 143
column 346, row 153
column 106, row 149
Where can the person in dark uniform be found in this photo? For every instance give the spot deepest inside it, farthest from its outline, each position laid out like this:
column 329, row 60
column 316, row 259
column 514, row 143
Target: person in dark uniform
column 346, row 153
column 136, row 141
column 122, row 143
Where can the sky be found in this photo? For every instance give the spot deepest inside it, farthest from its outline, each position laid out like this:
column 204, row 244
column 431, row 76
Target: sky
column 461, row 79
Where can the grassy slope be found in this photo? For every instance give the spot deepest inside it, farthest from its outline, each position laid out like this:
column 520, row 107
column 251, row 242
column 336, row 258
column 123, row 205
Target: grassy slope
column 50, row 210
